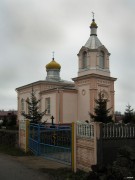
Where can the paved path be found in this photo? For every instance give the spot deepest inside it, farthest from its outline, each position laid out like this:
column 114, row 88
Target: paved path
column 37, row 163
column 10, row 169
column 25, row 168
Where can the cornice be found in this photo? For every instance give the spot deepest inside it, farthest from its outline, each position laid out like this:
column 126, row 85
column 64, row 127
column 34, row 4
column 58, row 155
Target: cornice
column 94, row 76
column 44, row 82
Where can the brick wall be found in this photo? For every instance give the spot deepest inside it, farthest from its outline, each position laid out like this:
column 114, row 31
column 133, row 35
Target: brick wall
column 84, row 153
column 98, row 143
column 86, row 145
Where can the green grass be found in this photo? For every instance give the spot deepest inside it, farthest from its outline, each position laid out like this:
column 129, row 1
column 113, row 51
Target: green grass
column 65, row 174
column 13, row 151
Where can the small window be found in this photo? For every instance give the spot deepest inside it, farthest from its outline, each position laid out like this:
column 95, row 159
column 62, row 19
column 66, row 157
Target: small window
column 101, row 59
column 47, row 105
column 84, row 60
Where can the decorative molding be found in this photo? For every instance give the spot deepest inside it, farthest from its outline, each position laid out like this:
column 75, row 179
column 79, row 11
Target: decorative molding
column 104, row 94
column 100, row 81
column 83, row 82
column 83, row 92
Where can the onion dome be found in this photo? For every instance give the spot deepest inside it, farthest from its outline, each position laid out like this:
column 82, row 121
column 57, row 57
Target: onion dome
column 53, row 71
column 53, row 65
column 93, row 24
column 93, row 28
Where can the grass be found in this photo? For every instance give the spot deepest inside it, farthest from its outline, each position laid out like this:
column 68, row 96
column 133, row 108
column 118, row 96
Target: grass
column 65, row 174
column 13, row 151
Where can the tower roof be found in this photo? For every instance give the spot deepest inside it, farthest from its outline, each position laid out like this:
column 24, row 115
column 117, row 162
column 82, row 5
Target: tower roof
column 93, row 41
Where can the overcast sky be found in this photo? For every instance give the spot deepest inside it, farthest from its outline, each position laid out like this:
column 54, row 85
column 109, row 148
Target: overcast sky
column 31, row 29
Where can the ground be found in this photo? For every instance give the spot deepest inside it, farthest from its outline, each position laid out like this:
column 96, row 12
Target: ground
column 38, row 163
column 35, row 168
column 12, row 169
column 15, row 165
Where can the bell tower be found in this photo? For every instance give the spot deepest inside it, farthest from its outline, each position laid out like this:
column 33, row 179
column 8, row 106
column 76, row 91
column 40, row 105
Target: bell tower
column 93, row 75
column 93, row 57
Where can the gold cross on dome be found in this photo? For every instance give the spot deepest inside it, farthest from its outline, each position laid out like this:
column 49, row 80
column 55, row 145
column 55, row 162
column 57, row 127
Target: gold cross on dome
column 53, row 54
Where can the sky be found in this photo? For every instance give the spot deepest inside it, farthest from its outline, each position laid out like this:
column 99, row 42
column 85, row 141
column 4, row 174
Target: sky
column 30, row 30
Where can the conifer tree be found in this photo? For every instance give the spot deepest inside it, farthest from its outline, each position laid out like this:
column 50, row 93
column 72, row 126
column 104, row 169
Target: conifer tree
column 129, row 115
column 34, row 115
column 101, row 113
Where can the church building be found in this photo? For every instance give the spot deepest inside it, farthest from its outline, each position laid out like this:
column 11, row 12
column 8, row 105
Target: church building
column 72, row 101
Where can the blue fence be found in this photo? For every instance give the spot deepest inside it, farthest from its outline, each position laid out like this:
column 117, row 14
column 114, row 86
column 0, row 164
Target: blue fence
column 53, row 142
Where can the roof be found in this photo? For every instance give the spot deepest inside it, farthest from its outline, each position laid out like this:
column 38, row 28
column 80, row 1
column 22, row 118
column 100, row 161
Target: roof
column 53, row 65
column 63, row 88
column 94, row 76
column 93, row 42
column 57, row 83
column 5, row 113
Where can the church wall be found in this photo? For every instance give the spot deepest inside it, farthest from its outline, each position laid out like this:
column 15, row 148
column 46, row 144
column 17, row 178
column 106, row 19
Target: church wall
column 93, row 71
column 25, row 94
column 83, row 102
column 93, row 60
column 107, row 87
column 69, row 107
column 52, row 97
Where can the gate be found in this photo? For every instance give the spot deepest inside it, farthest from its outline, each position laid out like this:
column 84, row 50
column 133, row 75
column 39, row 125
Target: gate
column 52, row 142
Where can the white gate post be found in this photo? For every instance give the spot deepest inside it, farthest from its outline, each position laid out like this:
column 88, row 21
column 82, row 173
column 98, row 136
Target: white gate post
column 24, row 135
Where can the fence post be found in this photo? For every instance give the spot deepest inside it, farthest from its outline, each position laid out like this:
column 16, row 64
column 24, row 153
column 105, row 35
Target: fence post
column 73, row 147
column 97, row 141
column 24, row 135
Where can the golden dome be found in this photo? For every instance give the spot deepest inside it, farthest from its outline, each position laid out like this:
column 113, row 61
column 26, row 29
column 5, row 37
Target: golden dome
column 93, row 24
column 53, row 65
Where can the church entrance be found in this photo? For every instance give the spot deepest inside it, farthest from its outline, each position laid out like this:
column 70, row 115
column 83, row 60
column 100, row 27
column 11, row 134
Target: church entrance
column 51, row 141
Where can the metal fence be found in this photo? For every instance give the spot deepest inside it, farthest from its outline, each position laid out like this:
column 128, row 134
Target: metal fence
column 51, row 142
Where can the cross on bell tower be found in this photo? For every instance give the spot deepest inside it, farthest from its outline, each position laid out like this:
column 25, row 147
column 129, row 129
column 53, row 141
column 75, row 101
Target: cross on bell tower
column 93, row 14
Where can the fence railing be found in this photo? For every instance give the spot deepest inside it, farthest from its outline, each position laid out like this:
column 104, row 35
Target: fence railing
column 85, row 130
column 113, row 130
column 107, row 131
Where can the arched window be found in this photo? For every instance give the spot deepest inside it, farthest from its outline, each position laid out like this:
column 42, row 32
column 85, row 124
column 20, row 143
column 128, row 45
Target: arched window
column 84, row 59
column 48, row 105
column 22, row 104
column 27, row 106
column 101, row 59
